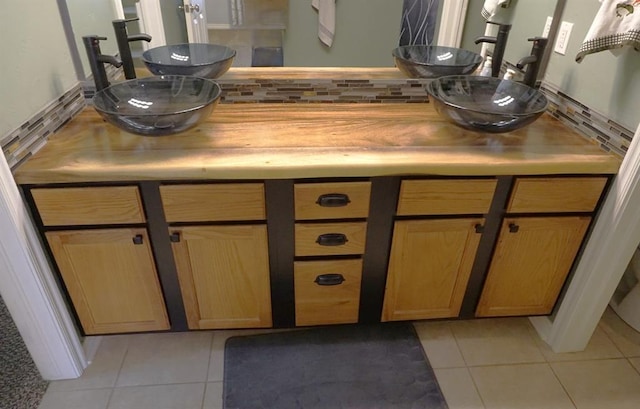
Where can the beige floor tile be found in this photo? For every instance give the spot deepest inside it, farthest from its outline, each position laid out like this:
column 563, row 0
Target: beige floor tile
column 520, row 386
column 103, row 370
column 439, row 344
column 213, row 396
column 88, row 399
column 601, row 384
column 458, row 388
column 183, row 396
column 157, row 359
column 600, row 347
column 626, row 338
column 497, row 341
column 636, row 363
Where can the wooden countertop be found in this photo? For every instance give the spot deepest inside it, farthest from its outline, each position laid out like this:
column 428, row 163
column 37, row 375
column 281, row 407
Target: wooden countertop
column 269, row 141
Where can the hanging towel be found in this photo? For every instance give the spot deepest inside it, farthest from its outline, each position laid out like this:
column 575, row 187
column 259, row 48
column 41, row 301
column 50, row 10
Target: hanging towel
column 326, row 19
column 490, row 7
column 616, row 25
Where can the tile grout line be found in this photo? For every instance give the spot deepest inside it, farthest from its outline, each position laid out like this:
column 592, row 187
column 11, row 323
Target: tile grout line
column 473, row 381
column 206, row 375
column 564, row 388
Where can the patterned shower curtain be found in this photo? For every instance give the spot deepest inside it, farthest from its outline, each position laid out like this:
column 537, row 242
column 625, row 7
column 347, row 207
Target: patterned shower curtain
column 419, row 18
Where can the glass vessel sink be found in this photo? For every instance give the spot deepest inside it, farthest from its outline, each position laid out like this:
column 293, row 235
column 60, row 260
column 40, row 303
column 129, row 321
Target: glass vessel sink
column 486, row 104
column 199, row 60
column 156, row 106
column 423, row 61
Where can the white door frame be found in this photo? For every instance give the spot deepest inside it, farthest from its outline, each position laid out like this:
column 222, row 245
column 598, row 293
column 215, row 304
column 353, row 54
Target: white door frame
column 30, row 292
column 454, row 13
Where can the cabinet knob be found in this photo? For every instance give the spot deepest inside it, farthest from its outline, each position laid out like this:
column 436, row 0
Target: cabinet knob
column 513, row 228
column 174, row 237
column 333, row 200
column 137, row 239
column 329, row 279
column 479, row 228
column 332, row 239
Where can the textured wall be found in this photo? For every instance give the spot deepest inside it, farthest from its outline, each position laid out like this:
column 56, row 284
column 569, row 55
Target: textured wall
column 603, row 82
column 366, row 32
column 36, row 63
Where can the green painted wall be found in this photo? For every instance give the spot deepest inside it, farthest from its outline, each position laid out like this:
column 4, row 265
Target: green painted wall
column 92, row 17
column 604, row 82
column 37, row 66
column 366, row 32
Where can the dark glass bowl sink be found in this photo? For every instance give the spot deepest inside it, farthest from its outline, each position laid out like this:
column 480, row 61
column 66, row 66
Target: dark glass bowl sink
column 486, row 104
column 424, row 61
column 157, row 106
column 199, row 60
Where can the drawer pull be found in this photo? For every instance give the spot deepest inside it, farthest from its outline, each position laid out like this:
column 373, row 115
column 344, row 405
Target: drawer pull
column 513, row 228
column 137, row 239
column 333, row 200
column 332, row 239
column 174, row 237
column 329, row 279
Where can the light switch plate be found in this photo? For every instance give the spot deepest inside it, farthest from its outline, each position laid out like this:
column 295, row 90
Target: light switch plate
column 563, row 37
column 547, row 27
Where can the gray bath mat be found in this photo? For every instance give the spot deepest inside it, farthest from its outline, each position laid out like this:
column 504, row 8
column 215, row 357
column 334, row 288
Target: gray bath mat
column 338, row 367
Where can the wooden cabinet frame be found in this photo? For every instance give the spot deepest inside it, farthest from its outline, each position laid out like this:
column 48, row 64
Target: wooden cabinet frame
column 280, row 222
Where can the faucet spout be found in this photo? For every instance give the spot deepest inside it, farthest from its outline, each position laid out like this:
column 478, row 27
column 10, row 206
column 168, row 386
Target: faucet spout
column 139, row 37
column 109, row 59
column 500, row 41
column 97, row 60
column 532, row 62
column 529, row 59
column 123, row 39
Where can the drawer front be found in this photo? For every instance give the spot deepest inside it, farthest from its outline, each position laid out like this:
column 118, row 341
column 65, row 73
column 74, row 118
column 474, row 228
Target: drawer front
column 332, row 200
column 213, row 202
column 540, row 195
column 327, row 292
column 89, row 205
column 435, row 197
column 327, row 239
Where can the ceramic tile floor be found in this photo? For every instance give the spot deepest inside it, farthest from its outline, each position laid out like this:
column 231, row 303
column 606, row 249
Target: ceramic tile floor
column 493, row 364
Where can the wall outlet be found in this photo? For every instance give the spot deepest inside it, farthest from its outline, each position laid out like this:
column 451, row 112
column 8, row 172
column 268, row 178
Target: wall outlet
column 563, row 37
column 547, row 27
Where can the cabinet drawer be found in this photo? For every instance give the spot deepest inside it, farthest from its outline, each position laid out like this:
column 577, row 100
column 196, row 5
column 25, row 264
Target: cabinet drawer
column 540, row 195
column 332, row 200
column 89, row 205
column 434, row 197
column 326, row 239
column 327, row 292
column 213, row 202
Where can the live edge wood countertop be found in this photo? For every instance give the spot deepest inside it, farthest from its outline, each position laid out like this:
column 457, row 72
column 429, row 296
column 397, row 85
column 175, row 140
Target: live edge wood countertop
column 270, row 141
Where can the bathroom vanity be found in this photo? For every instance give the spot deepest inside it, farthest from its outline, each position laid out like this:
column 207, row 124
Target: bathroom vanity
column 282, row 215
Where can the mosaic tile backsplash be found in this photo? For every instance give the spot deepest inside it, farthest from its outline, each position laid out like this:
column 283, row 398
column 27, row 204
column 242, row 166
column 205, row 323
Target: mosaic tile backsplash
column 20, row 144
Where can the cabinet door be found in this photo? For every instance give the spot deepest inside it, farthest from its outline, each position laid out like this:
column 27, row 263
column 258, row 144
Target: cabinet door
column 530, row 264
column 111, row 279
column 224, row 275
column 429, row 268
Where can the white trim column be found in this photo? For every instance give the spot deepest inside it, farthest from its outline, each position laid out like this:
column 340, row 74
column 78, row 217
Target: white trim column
column 454, row 13
column 30, row 292
column 614, row 238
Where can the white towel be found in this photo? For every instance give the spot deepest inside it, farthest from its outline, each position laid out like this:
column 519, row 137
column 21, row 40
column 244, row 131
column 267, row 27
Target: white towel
column 616, row 25
column 490, row 8
column 326, row 20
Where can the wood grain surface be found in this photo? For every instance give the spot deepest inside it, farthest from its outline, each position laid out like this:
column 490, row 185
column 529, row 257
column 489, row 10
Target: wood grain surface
column 271, row 141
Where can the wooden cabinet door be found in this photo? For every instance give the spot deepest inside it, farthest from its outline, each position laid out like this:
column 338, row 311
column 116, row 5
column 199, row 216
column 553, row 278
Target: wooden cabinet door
column 530, row 264
column 429, row 268
column 224, row 275
column 111, row 278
